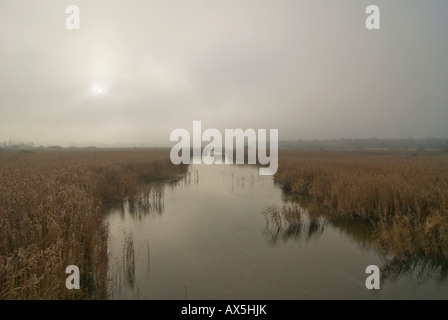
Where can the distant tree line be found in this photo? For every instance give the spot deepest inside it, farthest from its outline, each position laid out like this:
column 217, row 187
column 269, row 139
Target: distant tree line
column 302, row 144
column 23, row 145
column 360, row 144
column 13, row 144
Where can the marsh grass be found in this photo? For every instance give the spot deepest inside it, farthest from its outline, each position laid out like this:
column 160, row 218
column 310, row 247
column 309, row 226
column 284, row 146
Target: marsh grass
column 403, row 195
column 52, row 205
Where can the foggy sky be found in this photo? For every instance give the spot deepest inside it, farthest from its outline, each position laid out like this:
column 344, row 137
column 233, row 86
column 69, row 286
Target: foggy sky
column 308, row 68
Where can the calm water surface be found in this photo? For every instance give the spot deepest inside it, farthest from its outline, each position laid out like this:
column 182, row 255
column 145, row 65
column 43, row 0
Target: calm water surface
column 207, row 236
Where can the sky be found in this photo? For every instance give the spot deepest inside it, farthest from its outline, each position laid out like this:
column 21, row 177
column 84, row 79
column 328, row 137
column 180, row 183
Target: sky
column 137, row 70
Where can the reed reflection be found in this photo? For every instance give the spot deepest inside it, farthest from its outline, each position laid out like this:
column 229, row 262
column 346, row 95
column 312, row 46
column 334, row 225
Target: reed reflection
column 421, row 267
column 292, row 222
column 146, row 202
column 190, row 177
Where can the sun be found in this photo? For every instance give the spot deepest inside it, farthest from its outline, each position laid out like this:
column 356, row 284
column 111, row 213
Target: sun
column 98, row 90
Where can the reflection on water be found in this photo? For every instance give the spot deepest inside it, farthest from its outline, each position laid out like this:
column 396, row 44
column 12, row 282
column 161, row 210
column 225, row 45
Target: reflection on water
column 224, row 232
column 145, row 203
column 420, row 267
column 151, row 199
column 357, row 231
column 129, row 259
column 184, row 180
column 292, row 222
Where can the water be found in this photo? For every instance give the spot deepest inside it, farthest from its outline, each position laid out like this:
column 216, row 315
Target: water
column 207, row 236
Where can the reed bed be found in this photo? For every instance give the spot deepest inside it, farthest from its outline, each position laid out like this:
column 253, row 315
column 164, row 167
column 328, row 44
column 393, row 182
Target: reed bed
column 52, row 205
column 403, row 194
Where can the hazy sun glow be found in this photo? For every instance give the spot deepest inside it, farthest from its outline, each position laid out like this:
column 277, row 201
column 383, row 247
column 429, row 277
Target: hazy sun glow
column 98, row 90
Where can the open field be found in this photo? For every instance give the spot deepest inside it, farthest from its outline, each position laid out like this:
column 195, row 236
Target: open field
column 52, row 205
column 403, row 194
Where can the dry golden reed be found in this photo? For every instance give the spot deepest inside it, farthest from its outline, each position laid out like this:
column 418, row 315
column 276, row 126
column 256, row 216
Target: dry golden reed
column 52, row 205
column 404, row 194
